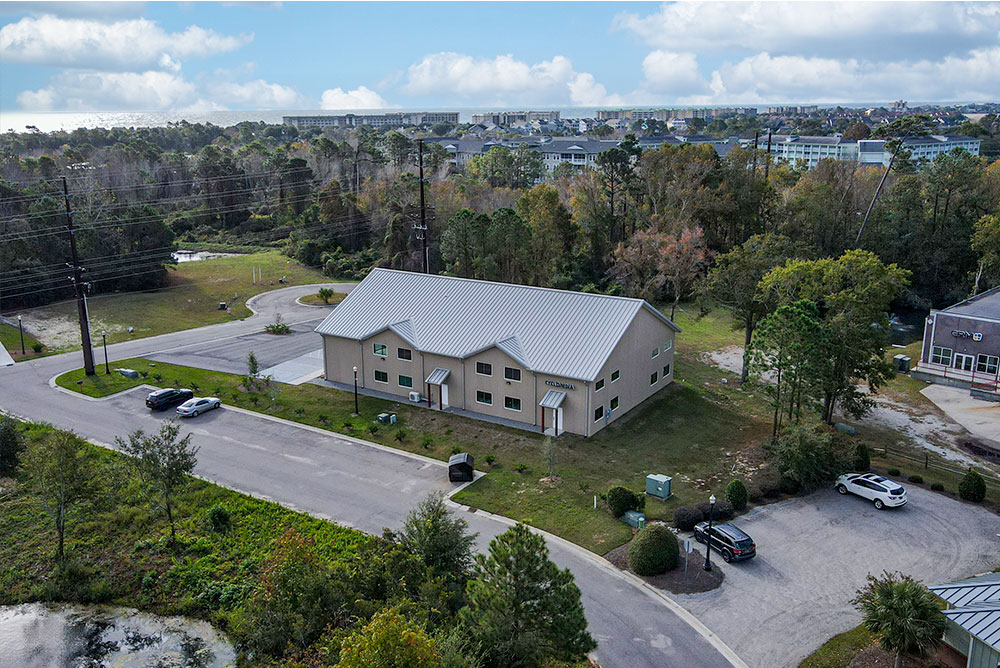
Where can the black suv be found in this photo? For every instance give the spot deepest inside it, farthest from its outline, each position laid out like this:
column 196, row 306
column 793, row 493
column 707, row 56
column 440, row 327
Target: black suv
column 728, row 540
column 163, row 399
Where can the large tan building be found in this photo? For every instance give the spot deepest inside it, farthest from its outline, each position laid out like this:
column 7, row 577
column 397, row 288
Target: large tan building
column 553, row 360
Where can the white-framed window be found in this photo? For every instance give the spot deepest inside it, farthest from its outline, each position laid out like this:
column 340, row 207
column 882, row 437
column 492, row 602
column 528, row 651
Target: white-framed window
column 484, row 369
column 404, row 354
column 987, row 363
column 652, row 378
column 666, row 371
column 654, row 353
column 484, row 398
column 598, row 413
column 964, row 362
column 379, row 349
column 614, row 403
column 941, row 355
column 599, row 385
column 405, row 381
column 615, row 375
column 668, row 344
column 512, row 403
column 510, row 373
column 381, row 376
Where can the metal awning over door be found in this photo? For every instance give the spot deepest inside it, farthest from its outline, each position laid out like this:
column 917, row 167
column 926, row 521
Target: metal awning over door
column 552, row 399
column 438, row 376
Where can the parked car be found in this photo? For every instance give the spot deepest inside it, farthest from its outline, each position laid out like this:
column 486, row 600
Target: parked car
column 884, row 493
column 729, row 540
column 197, row 406
column 163, row 399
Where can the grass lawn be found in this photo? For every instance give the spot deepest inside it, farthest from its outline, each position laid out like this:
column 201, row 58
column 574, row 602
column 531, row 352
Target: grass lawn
column 316, row 300
column 702, row 333
column 692, row 430
column 838, row 651
column 191, row 300
column 10, row 339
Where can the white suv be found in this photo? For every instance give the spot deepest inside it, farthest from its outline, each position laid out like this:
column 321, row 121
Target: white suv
column 882, row 492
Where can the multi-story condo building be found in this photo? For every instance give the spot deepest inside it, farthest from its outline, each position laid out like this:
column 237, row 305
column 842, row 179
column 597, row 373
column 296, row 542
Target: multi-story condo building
column 373, row 120
column 629, row 115
column 792, row 148
column 804, row 109
column 505, row 118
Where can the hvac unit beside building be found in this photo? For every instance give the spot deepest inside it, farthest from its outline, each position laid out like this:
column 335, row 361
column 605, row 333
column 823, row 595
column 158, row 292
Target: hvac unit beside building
column 658, row 485
column 386, row 418
column 415, row 397
column 902, row 363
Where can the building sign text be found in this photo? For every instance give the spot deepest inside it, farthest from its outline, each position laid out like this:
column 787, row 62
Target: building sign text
column 556, row 383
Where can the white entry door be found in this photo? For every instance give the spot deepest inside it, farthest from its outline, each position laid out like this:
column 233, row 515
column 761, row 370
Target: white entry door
column 559, row 421
column 963, row 362
column 444, row 395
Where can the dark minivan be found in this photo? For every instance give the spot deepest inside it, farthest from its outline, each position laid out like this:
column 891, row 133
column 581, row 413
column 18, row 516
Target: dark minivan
column 730, row 541
column 163, row 399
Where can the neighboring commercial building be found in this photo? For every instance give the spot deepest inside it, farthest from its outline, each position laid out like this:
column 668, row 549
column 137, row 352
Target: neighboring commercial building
column 792, row 148
column 973, row 619
column 373, row 120
column 629, row 115
column 506, row 118
column 804, row 109
column 549, row 360
column 962, row 345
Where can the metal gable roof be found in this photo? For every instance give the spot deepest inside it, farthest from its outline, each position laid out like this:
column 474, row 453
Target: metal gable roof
column 981, row 620
column 973, row 590
column 557, row 332
column 984, row 305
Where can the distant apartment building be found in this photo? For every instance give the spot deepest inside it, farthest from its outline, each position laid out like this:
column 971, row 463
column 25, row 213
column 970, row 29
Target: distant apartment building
column 899, row 106
column 802, row 109
column 507, row 118
column 810, row 150
column 373, row 120
column 629, row 115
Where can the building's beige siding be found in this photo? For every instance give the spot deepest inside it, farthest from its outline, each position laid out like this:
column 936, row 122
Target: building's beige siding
column 632, row 357
column 341, row 356
column 455, row 383
column 499, row 387
column 574, row 406
column 390, row 364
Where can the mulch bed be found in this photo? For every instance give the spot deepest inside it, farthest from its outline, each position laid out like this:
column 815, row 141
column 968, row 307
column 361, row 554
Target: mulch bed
column 876, row 657
column 676, row 581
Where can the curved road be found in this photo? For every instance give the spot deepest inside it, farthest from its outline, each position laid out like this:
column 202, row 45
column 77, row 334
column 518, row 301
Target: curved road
column 347, row 480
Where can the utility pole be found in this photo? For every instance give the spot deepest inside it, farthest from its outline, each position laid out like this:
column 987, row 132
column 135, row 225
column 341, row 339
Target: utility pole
column 422, row 229
column 81, row 299
column 767, row 158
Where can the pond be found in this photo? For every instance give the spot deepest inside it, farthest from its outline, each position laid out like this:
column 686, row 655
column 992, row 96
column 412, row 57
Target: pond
column 194, row 256
column 74, row 636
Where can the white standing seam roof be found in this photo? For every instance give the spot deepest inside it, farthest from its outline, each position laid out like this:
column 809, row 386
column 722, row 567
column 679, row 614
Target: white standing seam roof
column 976, row 606
column 552, row 399
column 556, row 332
column 437, row 376
column 981, row 620
column 972, row 590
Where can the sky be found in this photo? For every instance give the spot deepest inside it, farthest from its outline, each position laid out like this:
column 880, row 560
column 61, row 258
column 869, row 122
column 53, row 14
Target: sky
column 204, row 56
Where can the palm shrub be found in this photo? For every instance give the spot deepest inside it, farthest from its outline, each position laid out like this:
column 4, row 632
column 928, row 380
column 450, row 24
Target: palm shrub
column 901, row 613
column 325, row 294
column 973, row 487
column 737, row 494
column 653, row 551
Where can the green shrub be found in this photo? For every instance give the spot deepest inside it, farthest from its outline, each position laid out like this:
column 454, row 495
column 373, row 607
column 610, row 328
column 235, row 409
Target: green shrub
column 686, row 517
column 893, row 472
column 808, row 455
column 770, row 488
column 915, row 478
column 37, row 347
column 862, row 459
column 723, row 510
column 521, row 468
column 490, row 459
column 737, row 494
column 621, row 500
column 653, row 551
column 937, row 487
column 12, row 445
column 455, row 450
column 400, row 435
column 373, row 429
column 218, row 518
column 789, row 485
column 973, row 487
column 427, row 441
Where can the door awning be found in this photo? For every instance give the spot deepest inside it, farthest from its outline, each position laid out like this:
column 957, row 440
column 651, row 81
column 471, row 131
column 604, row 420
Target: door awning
column 438, row 376
column 552, row 399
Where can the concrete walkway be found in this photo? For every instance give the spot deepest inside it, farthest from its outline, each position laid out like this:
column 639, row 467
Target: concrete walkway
column 297, row 370
column 981, row 418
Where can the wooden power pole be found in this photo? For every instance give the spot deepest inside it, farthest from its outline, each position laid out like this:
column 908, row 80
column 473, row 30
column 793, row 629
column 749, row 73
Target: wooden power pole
column 81, row 299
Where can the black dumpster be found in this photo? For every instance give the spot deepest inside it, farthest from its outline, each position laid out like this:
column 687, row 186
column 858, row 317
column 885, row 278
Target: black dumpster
column 460, row 467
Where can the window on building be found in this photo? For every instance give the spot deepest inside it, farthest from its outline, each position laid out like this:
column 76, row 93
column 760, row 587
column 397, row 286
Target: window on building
column 652, row 378
column 511, row 373
column 964, row 362
column 405, row 381
column 666, row 371
column 615, row 375
column 381, row 376
column 614, row 403
column 941, row 355
column 598, row 413
column 988, row 364
column 599, row 385
column 668, row 345
column 655, row 352
column 404, row 353
column 379, row 349
column 484, row 398
column 512, row 403
column 484, row 369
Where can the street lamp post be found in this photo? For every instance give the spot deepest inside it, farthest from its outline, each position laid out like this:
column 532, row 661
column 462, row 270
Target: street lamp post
column 708, row 534
column 356, row 411
column 20, row 328
column 104, row 339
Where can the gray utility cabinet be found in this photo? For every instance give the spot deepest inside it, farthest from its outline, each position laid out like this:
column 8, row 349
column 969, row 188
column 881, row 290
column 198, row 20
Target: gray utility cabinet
column 658, row 485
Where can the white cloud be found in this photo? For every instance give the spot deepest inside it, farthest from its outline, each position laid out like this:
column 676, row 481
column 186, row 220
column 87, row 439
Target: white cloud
column 504, row 79
column 895, row 29
column 257, row 94
column 122, row 45
column 359, row 98
column 674, row 73
column 101, row 91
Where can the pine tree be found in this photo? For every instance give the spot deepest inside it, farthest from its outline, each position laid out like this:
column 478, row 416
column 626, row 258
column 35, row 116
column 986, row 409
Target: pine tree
column 523, row 610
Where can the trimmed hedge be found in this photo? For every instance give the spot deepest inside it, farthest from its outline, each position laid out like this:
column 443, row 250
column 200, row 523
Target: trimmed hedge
column 770, row 488
column 916, row 478
column 723, row 511
column 621, row 500
column 653, row 551
column 686, row 517
column 892, row 472
column 973, row 487
column 737, row 494
column 937, row 487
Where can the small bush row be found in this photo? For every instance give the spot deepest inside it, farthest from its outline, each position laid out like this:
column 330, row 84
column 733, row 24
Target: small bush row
column 686, row 517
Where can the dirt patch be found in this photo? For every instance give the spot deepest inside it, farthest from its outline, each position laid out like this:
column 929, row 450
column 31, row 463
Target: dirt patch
column 876, row 657
column 695, row 580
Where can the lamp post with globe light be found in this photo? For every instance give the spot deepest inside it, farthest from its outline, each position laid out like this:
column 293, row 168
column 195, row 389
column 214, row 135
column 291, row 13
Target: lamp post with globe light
column 356, row 411
column 708, row 534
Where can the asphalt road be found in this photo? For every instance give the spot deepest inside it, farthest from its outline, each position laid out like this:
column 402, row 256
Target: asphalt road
column 361, row 485
column 813, row 553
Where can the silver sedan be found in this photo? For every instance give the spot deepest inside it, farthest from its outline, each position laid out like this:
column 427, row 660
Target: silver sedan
column 197, row 406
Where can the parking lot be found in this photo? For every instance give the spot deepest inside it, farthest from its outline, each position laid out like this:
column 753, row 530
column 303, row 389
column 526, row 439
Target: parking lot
column 813, row 553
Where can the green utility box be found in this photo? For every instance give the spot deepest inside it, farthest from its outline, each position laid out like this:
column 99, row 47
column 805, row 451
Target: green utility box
column 658, row 485
column 634, row 518
column 386, row 418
